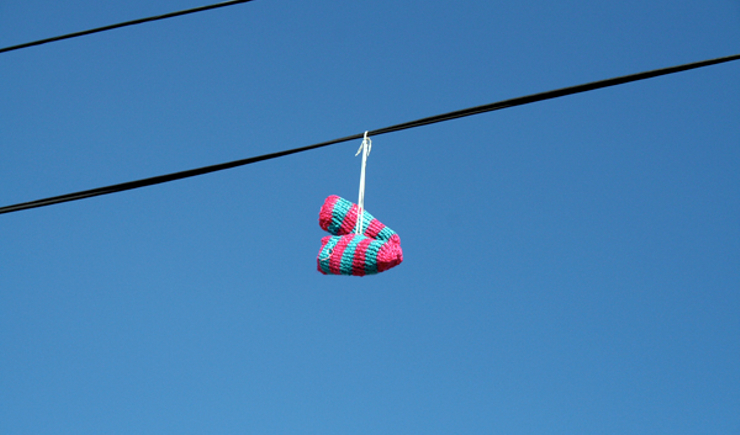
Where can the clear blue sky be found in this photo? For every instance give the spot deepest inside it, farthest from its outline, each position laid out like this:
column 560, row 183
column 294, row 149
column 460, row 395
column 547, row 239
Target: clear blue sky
column 571, row 266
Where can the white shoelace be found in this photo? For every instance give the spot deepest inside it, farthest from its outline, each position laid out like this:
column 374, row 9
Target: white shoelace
column 365, row 148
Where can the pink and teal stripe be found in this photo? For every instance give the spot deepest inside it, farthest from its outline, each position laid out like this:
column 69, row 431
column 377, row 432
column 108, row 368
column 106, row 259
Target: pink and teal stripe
column 339, row 217
column 358, row 255
column 347, row 253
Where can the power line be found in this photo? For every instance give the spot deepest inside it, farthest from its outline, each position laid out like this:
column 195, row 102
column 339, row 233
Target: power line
column 519, row 101
column 124, row 24
column 549, row 95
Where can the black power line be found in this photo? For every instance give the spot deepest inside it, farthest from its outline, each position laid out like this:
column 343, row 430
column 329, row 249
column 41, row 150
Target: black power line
column 125, row 24
column 519, row 101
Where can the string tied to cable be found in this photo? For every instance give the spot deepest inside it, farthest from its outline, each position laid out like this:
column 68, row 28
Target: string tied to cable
column 359, row 244
column 365, row 148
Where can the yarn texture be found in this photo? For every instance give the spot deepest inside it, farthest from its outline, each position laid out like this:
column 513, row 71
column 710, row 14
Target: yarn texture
column 347, row 253
column 339, row 217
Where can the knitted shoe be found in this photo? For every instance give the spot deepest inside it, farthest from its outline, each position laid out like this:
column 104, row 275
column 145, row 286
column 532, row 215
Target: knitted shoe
column 339, row 217
column 355, row 254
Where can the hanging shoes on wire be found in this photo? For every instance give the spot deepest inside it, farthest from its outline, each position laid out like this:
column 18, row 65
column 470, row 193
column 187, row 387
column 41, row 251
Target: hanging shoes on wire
column 357, row 247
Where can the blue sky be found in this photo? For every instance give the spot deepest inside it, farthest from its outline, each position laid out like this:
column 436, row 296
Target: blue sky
column 570, row 266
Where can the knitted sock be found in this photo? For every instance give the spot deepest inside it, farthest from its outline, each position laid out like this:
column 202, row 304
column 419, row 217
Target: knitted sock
column 339, row 217
column 358, row 255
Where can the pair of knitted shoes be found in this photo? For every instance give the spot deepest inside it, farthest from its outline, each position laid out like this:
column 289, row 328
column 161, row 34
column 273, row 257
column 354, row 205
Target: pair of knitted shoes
column 376, row 250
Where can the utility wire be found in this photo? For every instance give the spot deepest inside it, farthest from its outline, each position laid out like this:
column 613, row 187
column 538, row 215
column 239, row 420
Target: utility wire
column 124, row 24
column 519, row 101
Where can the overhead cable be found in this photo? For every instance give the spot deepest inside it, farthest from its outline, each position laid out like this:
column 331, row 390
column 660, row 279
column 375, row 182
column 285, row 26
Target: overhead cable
column 124, row 24
column 519, row 101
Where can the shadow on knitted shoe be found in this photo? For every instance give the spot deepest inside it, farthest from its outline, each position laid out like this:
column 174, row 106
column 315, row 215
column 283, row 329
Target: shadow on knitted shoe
column 358, row 255
column 339, row 217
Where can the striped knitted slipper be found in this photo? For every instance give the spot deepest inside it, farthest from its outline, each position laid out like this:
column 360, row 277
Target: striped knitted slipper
column 358, row 255
column 339, row 217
